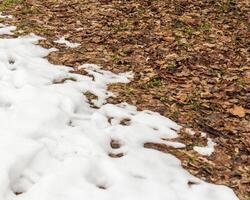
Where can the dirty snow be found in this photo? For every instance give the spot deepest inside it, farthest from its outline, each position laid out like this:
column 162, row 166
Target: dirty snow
column 206, row 151
column 55, row 146
column 6, row 30
column 69, row 44
column 4, row 16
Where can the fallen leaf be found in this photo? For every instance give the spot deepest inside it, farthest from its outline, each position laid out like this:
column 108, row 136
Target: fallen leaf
column 237, row 111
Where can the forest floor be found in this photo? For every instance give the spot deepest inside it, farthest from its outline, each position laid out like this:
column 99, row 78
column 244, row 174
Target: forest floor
column 190, row 59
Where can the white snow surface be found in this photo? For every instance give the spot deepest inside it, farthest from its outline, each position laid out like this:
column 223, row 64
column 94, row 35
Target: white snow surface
column 69, row 44
column 55, row 146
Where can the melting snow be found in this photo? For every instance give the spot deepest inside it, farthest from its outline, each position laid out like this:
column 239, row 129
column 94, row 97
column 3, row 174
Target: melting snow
column 4, row 16
column 206, row 151
column 62, row 40
column 54, row 145
column 6, row 30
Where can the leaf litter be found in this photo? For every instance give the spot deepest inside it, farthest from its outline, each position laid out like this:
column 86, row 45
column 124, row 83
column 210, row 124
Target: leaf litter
column 191, row 64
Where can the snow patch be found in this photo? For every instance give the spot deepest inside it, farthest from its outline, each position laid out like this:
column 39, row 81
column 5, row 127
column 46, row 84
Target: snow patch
column 5, row 16
column 6, row 30
column 62, row 40
column 206, row 151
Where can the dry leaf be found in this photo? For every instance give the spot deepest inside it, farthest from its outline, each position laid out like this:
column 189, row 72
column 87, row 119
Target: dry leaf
column 31, row 2
column 237, row 111
column 183, row 98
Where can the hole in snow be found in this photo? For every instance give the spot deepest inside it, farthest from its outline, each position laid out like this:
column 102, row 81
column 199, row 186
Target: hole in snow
column 92, row 77
column 118, row 155
column 27, row 171
column 98, row 177
column 70, row 123
column 11, row 61
column 18, row 193
column 94, row 106
column 115, row 144
column 173, row 129
column 190, row 183
column 21, row 184
column 125, row 122
column 110, row 120
column 101, row 187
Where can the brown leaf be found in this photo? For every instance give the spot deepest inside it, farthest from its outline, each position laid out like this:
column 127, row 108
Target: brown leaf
column 237, row 111
column 31, row 2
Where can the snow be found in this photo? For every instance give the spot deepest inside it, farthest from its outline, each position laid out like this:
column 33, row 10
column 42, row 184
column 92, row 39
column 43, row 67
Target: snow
column 6, row 30
column 4, row 16
column 55, row 145
column 62, row 40
column 206, row 151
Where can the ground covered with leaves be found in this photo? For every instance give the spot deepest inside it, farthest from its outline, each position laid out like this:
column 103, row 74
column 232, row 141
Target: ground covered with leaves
column 190, row 59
